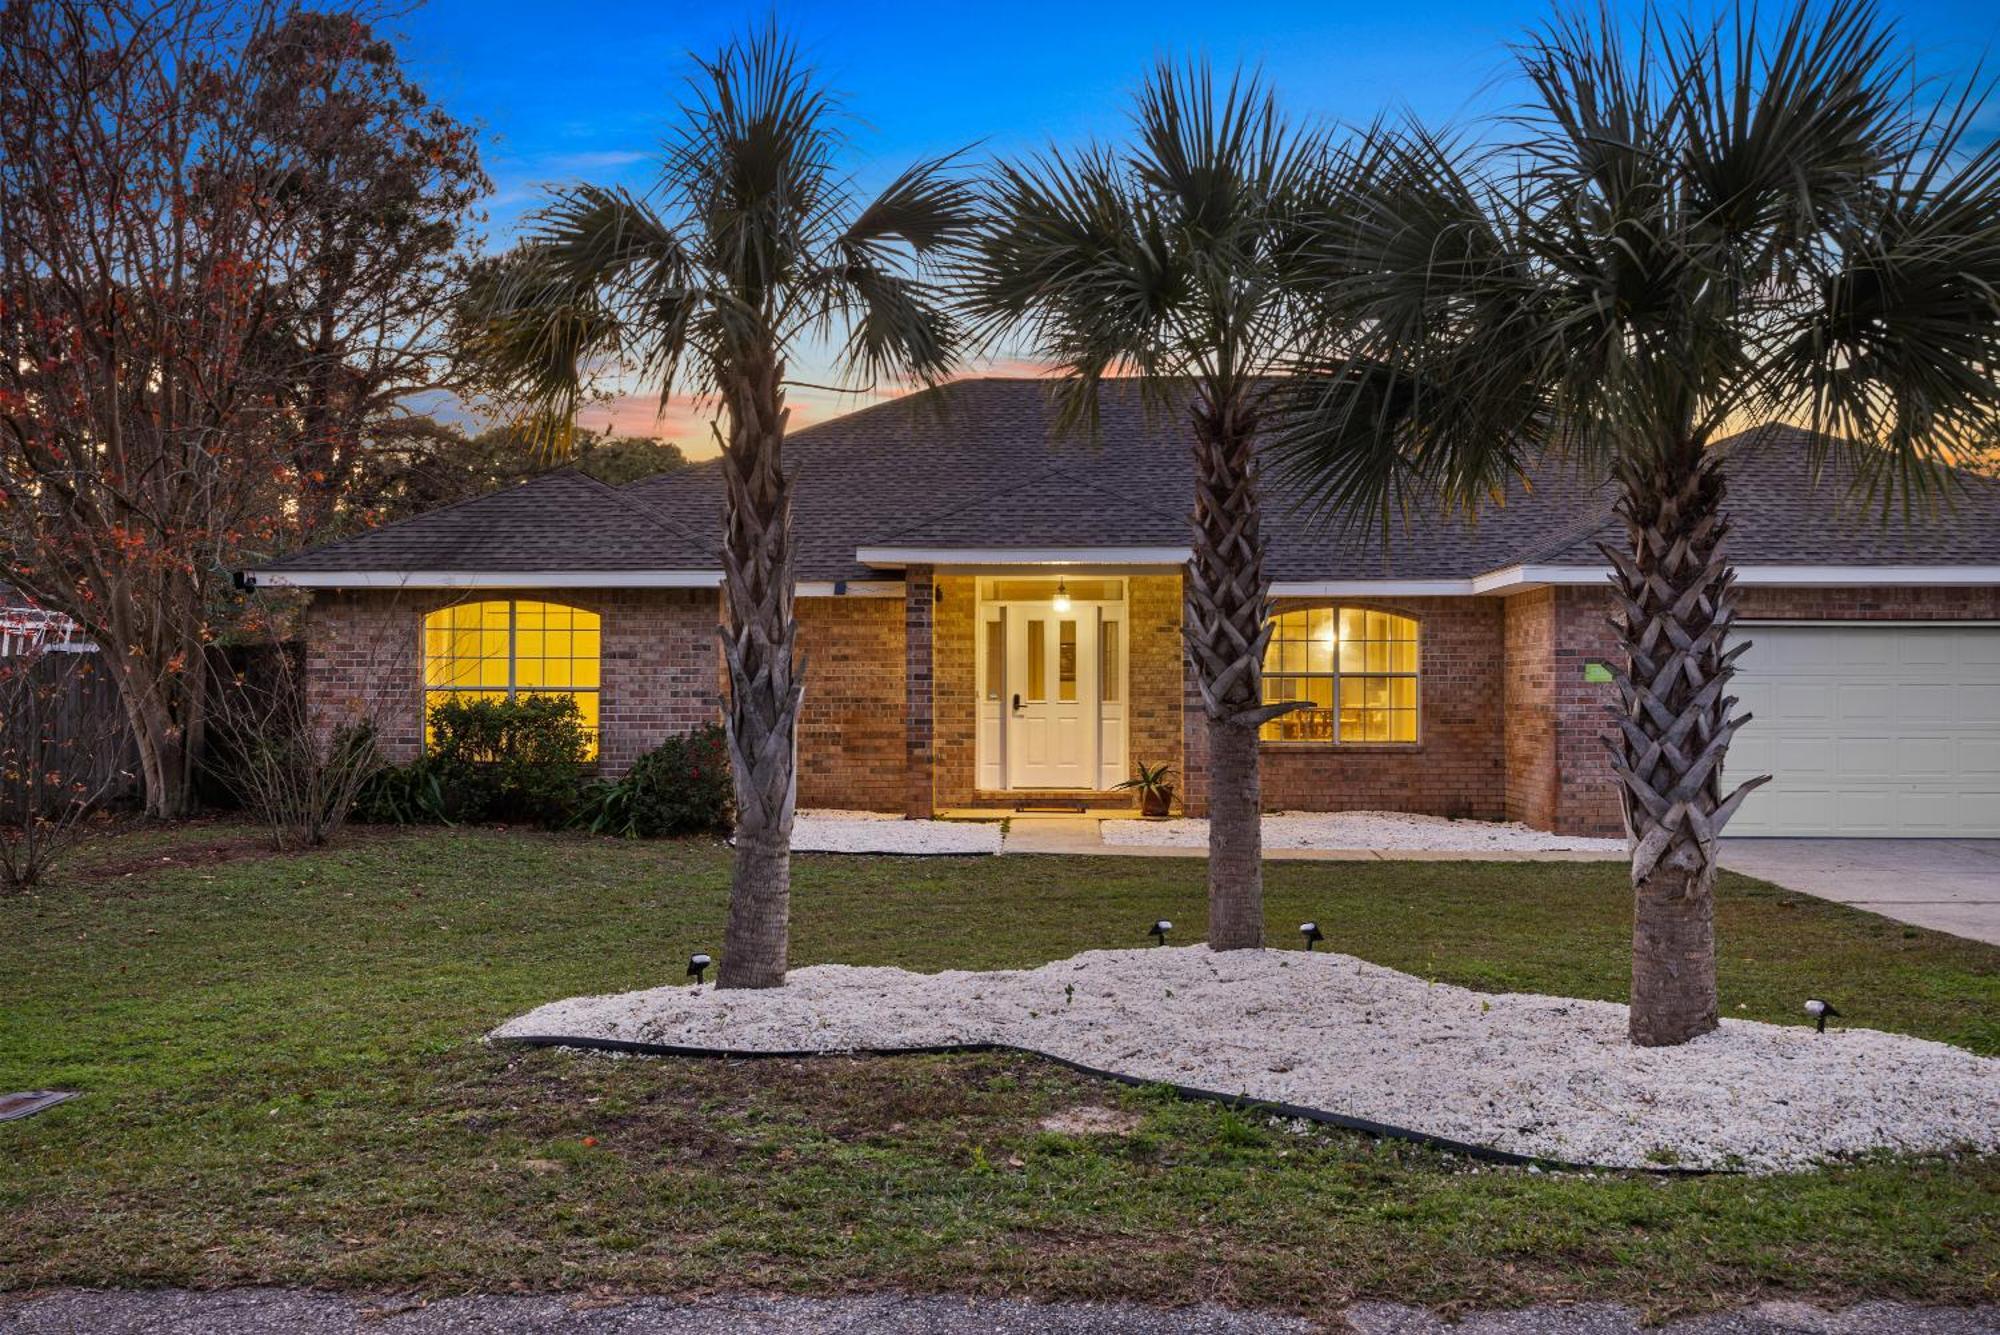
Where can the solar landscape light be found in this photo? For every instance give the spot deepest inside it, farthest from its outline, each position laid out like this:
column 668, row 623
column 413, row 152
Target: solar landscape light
column 697, row 963
column 1158, row 931
column 1821, row 1011
column 1310, row 931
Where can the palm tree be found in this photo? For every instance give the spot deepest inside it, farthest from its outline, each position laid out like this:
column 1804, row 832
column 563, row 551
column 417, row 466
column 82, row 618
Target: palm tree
column 1171, row 260
column 1691, row 231
column 751, row 242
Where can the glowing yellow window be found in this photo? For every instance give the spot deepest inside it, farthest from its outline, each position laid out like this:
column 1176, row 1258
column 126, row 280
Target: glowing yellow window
column 1354, row 668
column 508, row 648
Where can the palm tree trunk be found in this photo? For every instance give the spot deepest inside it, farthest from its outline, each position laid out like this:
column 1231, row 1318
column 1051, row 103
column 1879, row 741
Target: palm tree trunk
column 765, row 680
column 1228, row 625
column 1677, row 598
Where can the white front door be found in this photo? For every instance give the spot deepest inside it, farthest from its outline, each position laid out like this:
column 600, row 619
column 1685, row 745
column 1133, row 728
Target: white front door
column 1051, row 696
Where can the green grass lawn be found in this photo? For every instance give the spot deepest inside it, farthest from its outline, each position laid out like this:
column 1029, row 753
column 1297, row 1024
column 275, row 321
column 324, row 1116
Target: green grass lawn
column 284, row 1083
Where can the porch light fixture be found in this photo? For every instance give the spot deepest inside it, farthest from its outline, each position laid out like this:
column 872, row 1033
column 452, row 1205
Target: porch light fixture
column 1310, row 931
column 696, row 964
column 1158, row 931
column 1061, row 601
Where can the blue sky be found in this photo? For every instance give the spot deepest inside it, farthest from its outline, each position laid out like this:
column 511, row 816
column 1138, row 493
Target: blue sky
column 584, row 92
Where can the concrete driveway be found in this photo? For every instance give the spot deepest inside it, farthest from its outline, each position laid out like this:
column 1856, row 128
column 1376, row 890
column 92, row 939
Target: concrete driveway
column 1950, row 885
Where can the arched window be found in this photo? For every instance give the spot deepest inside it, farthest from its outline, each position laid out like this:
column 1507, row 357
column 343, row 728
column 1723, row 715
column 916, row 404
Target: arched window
column 1356, row 669
column 507, row 648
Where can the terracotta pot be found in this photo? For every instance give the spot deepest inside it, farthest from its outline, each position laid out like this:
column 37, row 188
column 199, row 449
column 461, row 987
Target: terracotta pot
column 1156, row 804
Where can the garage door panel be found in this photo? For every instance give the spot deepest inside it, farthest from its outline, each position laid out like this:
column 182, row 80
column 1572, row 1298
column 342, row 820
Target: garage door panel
column 1865, row 757
column 1924, row 703
column 1870, row 730
column 1926, row 757
column 1981, row 708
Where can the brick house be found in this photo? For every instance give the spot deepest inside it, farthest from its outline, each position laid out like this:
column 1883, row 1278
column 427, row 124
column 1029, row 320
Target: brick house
column 991, row 615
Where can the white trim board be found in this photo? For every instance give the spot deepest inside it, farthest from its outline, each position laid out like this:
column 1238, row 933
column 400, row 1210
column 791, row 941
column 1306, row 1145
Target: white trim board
column 1512, row 579
column 484, row 579
column 1022, row 556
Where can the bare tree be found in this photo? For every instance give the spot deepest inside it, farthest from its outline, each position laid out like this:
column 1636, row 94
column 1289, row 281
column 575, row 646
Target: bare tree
column 164, row 241
column 136, row 396
column 373, row 188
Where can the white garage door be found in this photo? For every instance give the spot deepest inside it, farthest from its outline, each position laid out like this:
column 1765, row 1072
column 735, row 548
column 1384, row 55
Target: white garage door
column 1870, row 731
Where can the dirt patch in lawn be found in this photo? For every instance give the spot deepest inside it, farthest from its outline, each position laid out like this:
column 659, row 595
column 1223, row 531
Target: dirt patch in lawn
column 1091, row 1120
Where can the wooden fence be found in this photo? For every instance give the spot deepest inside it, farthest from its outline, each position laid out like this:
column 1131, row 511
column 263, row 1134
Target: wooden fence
column 62, row 706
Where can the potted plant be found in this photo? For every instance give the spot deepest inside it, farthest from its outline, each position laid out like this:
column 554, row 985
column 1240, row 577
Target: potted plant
column 1155, row 788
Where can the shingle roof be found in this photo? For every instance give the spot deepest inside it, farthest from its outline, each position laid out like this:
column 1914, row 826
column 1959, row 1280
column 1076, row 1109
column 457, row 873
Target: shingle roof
column 978, row 465
column 563, row 520
column 1782, row 517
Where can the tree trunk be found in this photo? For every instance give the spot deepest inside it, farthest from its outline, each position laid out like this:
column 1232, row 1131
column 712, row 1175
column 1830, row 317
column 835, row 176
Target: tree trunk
column 1228, row 625
column 765, row 680
column 1235, row 838
column 1677, row 600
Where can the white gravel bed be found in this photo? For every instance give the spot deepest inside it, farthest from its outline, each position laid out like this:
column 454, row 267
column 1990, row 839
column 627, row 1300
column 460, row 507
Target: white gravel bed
column 1368, row 830
column 821, row 831
column 1545, row 1076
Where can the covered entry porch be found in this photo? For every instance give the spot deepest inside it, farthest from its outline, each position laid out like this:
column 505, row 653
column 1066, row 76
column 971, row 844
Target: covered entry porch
column 1032, row 685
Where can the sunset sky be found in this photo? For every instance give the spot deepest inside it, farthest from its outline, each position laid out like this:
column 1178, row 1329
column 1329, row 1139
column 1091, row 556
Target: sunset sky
column 584, row 92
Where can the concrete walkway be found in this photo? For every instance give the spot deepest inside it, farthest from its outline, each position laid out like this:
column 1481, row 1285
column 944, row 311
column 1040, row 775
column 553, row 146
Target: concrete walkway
column 1950, row 885
column 291, row 1312
column 1080, row 835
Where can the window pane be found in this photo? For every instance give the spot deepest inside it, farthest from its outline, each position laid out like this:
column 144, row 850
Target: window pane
column 1403, row 692
column 1110, row 666
column 1066, row 660
column 1403, row 725
column 1405, row 657
column 1319, row 654
column 1038, row 667
column 1353, row 624
column 996, row 658
column 1353, row 655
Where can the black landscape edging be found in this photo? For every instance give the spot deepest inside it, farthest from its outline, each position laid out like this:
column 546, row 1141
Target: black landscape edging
column 1243, row 1102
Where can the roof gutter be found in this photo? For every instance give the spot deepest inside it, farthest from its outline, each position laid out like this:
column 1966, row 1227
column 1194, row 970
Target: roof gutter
column 479, row 579
column 1520, row 578
column 898, row 558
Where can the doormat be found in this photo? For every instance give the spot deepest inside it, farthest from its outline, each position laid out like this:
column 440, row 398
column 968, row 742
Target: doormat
column 30, row 1102
column 1067, row 808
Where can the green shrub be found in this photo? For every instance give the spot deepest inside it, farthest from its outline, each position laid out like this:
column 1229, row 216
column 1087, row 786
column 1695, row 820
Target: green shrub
column 682, row 786
column 490, row 760
column 411, row 794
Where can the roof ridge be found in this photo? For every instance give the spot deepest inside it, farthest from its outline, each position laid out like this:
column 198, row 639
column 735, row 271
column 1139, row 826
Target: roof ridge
column 644, row 510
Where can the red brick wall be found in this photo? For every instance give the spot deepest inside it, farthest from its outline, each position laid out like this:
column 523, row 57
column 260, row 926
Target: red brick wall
column 851, row 735
column 1156, row 668
column 660, row 667
column 1456, row 768
column 1528, row 713
column 1587, row 797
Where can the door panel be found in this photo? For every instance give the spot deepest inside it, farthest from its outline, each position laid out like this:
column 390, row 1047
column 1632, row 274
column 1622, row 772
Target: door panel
column 1052, row 697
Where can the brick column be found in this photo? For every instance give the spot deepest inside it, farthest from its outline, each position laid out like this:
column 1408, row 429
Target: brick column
column 919, row 617
column 1194, row 736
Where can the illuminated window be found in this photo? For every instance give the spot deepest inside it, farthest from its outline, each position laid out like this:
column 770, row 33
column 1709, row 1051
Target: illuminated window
column 504, row 649
column 1355, row 669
